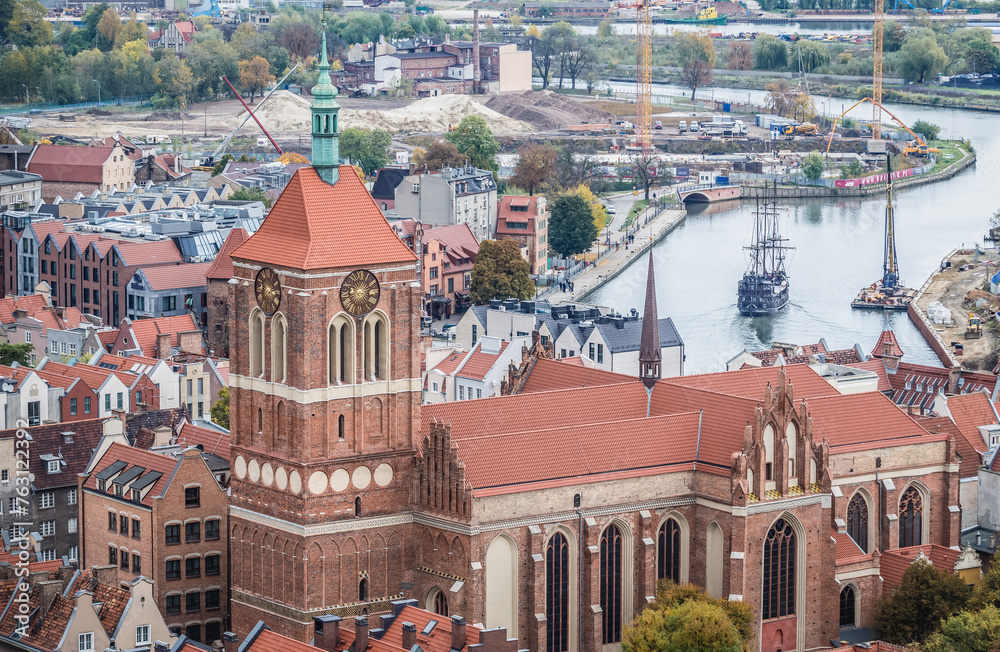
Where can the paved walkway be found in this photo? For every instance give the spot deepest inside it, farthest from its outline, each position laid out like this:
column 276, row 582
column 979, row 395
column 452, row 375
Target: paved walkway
column 607, row 268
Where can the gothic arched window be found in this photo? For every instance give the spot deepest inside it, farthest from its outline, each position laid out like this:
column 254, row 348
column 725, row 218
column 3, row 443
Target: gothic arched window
column 911, row 521
column 847, row 607
column 857, row 521
column 557, row 594
column 363, row 589
column 611, row 584
column 279, row 348
column 669, row 548
column 779, row 571
column 256, row 344
column 440, row 603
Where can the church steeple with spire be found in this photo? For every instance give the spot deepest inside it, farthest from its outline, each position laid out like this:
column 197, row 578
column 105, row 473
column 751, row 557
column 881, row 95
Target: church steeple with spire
column 325, row 117
column 650, row 356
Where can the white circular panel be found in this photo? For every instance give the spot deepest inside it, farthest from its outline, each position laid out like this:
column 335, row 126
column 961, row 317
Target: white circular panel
column 253, row 470
column 317, row 482
column 383, row 475
column 294, row 482
column 362, row 477
column 240, row 467
column 281, row 478
column 266, row 474
column 339, row 480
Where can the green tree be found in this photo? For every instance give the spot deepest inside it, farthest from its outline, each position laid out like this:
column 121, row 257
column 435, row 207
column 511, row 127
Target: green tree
column 474, row 139
column 814, row 55
column 769, row 53
column 988, row 592
column 893, row 35
column 606, row 29
column 28, row 26
column 368, row 148
column 220, row 409
column 981, row 56
column 571, row 226
column 695, row 46
column 920, row 58
column 440, row 154
column 978, row 631
column 6, row 13
column 500, row 272
column 812, row 167
column 220, row 165
column 534, row 165
column 132, row 30
column 19, row 353
column 252, row 194
column 928, row 129
column 915, row 608
column 683, row 618
column 255, row 75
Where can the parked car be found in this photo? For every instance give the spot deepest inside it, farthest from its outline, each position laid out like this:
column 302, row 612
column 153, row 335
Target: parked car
column 610, row 209
column 694, row 126
column 657, row 125
column 682, row 125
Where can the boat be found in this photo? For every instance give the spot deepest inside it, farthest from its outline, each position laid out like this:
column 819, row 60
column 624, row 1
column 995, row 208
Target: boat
column 707, row 16
column 887, row 293
column 763, row 290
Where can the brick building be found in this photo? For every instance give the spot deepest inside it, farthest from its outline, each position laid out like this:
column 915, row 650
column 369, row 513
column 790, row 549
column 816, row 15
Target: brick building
column 217, row 281
column 69, row 169
column 448, row 255
column 161, row 515
column 526, row 220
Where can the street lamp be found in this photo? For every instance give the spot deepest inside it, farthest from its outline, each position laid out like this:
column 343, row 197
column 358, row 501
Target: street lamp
column 98, row 91
column 27, row 97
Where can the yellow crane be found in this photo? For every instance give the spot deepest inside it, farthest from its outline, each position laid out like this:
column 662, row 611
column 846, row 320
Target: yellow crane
column 643, row 73
column 880, row 108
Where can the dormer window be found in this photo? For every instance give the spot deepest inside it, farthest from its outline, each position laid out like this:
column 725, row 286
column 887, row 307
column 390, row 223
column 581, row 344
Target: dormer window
column 907, row 386
column 920, row 387
column 53, row 466
column 136, row 495
column 102, row 485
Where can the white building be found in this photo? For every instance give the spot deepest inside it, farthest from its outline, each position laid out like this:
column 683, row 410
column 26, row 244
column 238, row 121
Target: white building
column 454, row 375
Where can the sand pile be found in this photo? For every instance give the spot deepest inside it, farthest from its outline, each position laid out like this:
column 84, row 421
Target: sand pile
column 547, row 110
column 289, row 112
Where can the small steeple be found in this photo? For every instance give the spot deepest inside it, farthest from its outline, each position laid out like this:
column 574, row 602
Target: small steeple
column 650, row 357
column 325, row 118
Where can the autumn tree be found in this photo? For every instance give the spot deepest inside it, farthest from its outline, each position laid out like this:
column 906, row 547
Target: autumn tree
column 571, row 226
column 598, row 212
column 914, row 609
column 108, row 28
column 255, row 76
column 441, row 154
column 685, row 618
column 649, row 171
column 368, row 148
column 534, row 165
column 740, row 56
column 694, row 74
column 474, row 139
column 300, row 39
column 28, row 25
column 132, row 30
column 695, row 46
column 220, row 409
column 500, row 272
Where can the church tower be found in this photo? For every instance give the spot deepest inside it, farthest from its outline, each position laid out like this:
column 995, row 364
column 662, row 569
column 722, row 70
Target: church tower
column 325, row 399
column 325, row 121
column 650, row 354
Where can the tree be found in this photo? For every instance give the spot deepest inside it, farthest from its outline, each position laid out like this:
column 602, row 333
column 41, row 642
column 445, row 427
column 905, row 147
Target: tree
column 534, row 164
column 814, row 55
column 27, row 26
column 684, row 618
column 220, row 165
column 597, row 209
column 500, row 272
column 441, row 154
column 292, row 157
column 6, row 13
column 695, row 46
column 252, row 194
column 740, row 56
column 220, row 410
column 474, row 139
column 812, row 167
column 769, row 53
column 981, row 56
column 920, row 58
column 548, row 47
column 977, row 631
column 649, row 171
column 19, row 353
column 250, row 42
column 255, row 75
column 929, row 130
column 893, row 35
column 108, row 28
column 368, row 148
column 606, row 29
column 300, row 39
column 132, row 30
column 575, row 164
column 571, row 226
column 988, row 592
column 915, row 608
column 782, row 97
column 696, row 73
column 577, row 60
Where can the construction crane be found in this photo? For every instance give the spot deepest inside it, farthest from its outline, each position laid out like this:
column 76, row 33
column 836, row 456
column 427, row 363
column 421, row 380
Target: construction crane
column 829, row 142
column 250, row 111
column 877, row 73
column 225, row 142
column 643, row 73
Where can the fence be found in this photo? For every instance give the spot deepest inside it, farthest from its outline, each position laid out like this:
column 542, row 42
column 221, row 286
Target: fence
column 52, row 107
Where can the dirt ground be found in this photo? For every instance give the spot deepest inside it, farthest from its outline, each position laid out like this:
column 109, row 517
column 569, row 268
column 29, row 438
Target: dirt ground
column 950, row 287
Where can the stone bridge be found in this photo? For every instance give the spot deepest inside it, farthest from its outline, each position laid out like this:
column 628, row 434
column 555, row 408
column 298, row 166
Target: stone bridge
column 708, row 194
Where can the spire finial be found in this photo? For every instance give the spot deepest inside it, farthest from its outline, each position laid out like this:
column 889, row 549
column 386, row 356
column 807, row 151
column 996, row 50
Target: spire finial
column 650, row 356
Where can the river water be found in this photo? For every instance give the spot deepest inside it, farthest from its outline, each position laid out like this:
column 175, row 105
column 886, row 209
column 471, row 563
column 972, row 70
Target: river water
column 839, row 249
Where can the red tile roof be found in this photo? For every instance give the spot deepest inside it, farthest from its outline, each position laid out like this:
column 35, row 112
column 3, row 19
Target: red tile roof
column 479, row 363
column 969, row 411
column 448, row 365
column 211, row 441
column 847, row 550
column 171, row 277
column 93, row 376
column 30, row 303
column 894, row 563
column 70, row 163
column 314, row 225
column 439, row 639
column 750, row 382
column 149, row 253
column 146, row 330
column 878, row 367
column 874, row 646
column 46, row 633
column 860, row 419
column 222, row 266
column 887, row 337
column 136, row 457
column 547, row 374
column 113, row 601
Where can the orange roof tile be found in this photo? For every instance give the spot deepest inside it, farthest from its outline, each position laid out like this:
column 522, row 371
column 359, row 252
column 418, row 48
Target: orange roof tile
column 93, row 376
column 135, row 254
column 439, row 639
column 222, row 266
column 113, row 601
column 314, row 225
column 479, row 363
column 48, row 632
column 136, row 457
column 210, row 440
column 547, row 374
column 71, row 163
column 750, row 382
column 863, row 418
column 448, row 365
column 846, row 550
column 30, row 303
column 169, row 277
column 146, row 330
column 893, row 563
column 887, row 337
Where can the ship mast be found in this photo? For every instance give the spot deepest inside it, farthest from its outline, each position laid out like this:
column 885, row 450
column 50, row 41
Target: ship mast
column 890, row 273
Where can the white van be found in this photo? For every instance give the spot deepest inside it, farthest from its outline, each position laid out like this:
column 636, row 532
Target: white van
column 682, row 125
column 694, row 126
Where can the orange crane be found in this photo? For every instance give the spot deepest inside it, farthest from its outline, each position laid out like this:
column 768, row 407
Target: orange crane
column 877, row 73
column 643, row 73
column 879, row 108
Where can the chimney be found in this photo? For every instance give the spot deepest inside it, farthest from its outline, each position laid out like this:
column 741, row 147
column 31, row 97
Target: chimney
column 189, row 342
column 163, row 346
column 106, row 574
column 65, row 573
column 457, row 632
column 409, row 636
column 47, row 592
column 360, row 633
column 476, row 73
column 229, row 642
column 326, row 631
column 161, row 646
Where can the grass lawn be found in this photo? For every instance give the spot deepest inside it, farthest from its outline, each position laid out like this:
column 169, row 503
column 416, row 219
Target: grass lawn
column 637, row 208
column 950, row 153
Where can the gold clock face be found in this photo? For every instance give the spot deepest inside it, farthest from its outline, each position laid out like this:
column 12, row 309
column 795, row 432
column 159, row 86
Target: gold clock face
column 267, row 289
column 360, row 292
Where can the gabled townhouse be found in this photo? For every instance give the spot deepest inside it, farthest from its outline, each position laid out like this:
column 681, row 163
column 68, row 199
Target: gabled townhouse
column 176, row 36
column 118, row 265
column 162, row 373
column 200, row 378
column 163, row 516
column 464, row 195
column 476, row 374
column 158, row 337
column 525, row 220
column 28, row 397
column 448, row 254
column 69, row 169
column 21, row 243
column 782, row 353
column 88, row 611
column 46, row 327
column 168, row 291
column 117, row 390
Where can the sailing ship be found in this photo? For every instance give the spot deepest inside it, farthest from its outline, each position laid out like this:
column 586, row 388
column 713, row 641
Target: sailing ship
column 763, row 290
column 887, row 293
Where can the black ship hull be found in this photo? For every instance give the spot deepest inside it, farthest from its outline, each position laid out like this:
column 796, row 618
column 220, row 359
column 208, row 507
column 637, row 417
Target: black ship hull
column 759, row 296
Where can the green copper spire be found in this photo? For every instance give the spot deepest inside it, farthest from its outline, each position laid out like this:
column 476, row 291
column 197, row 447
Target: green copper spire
column 325, row 128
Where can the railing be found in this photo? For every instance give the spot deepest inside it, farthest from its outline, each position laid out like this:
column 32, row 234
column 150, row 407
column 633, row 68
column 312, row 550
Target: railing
column 52, row 107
